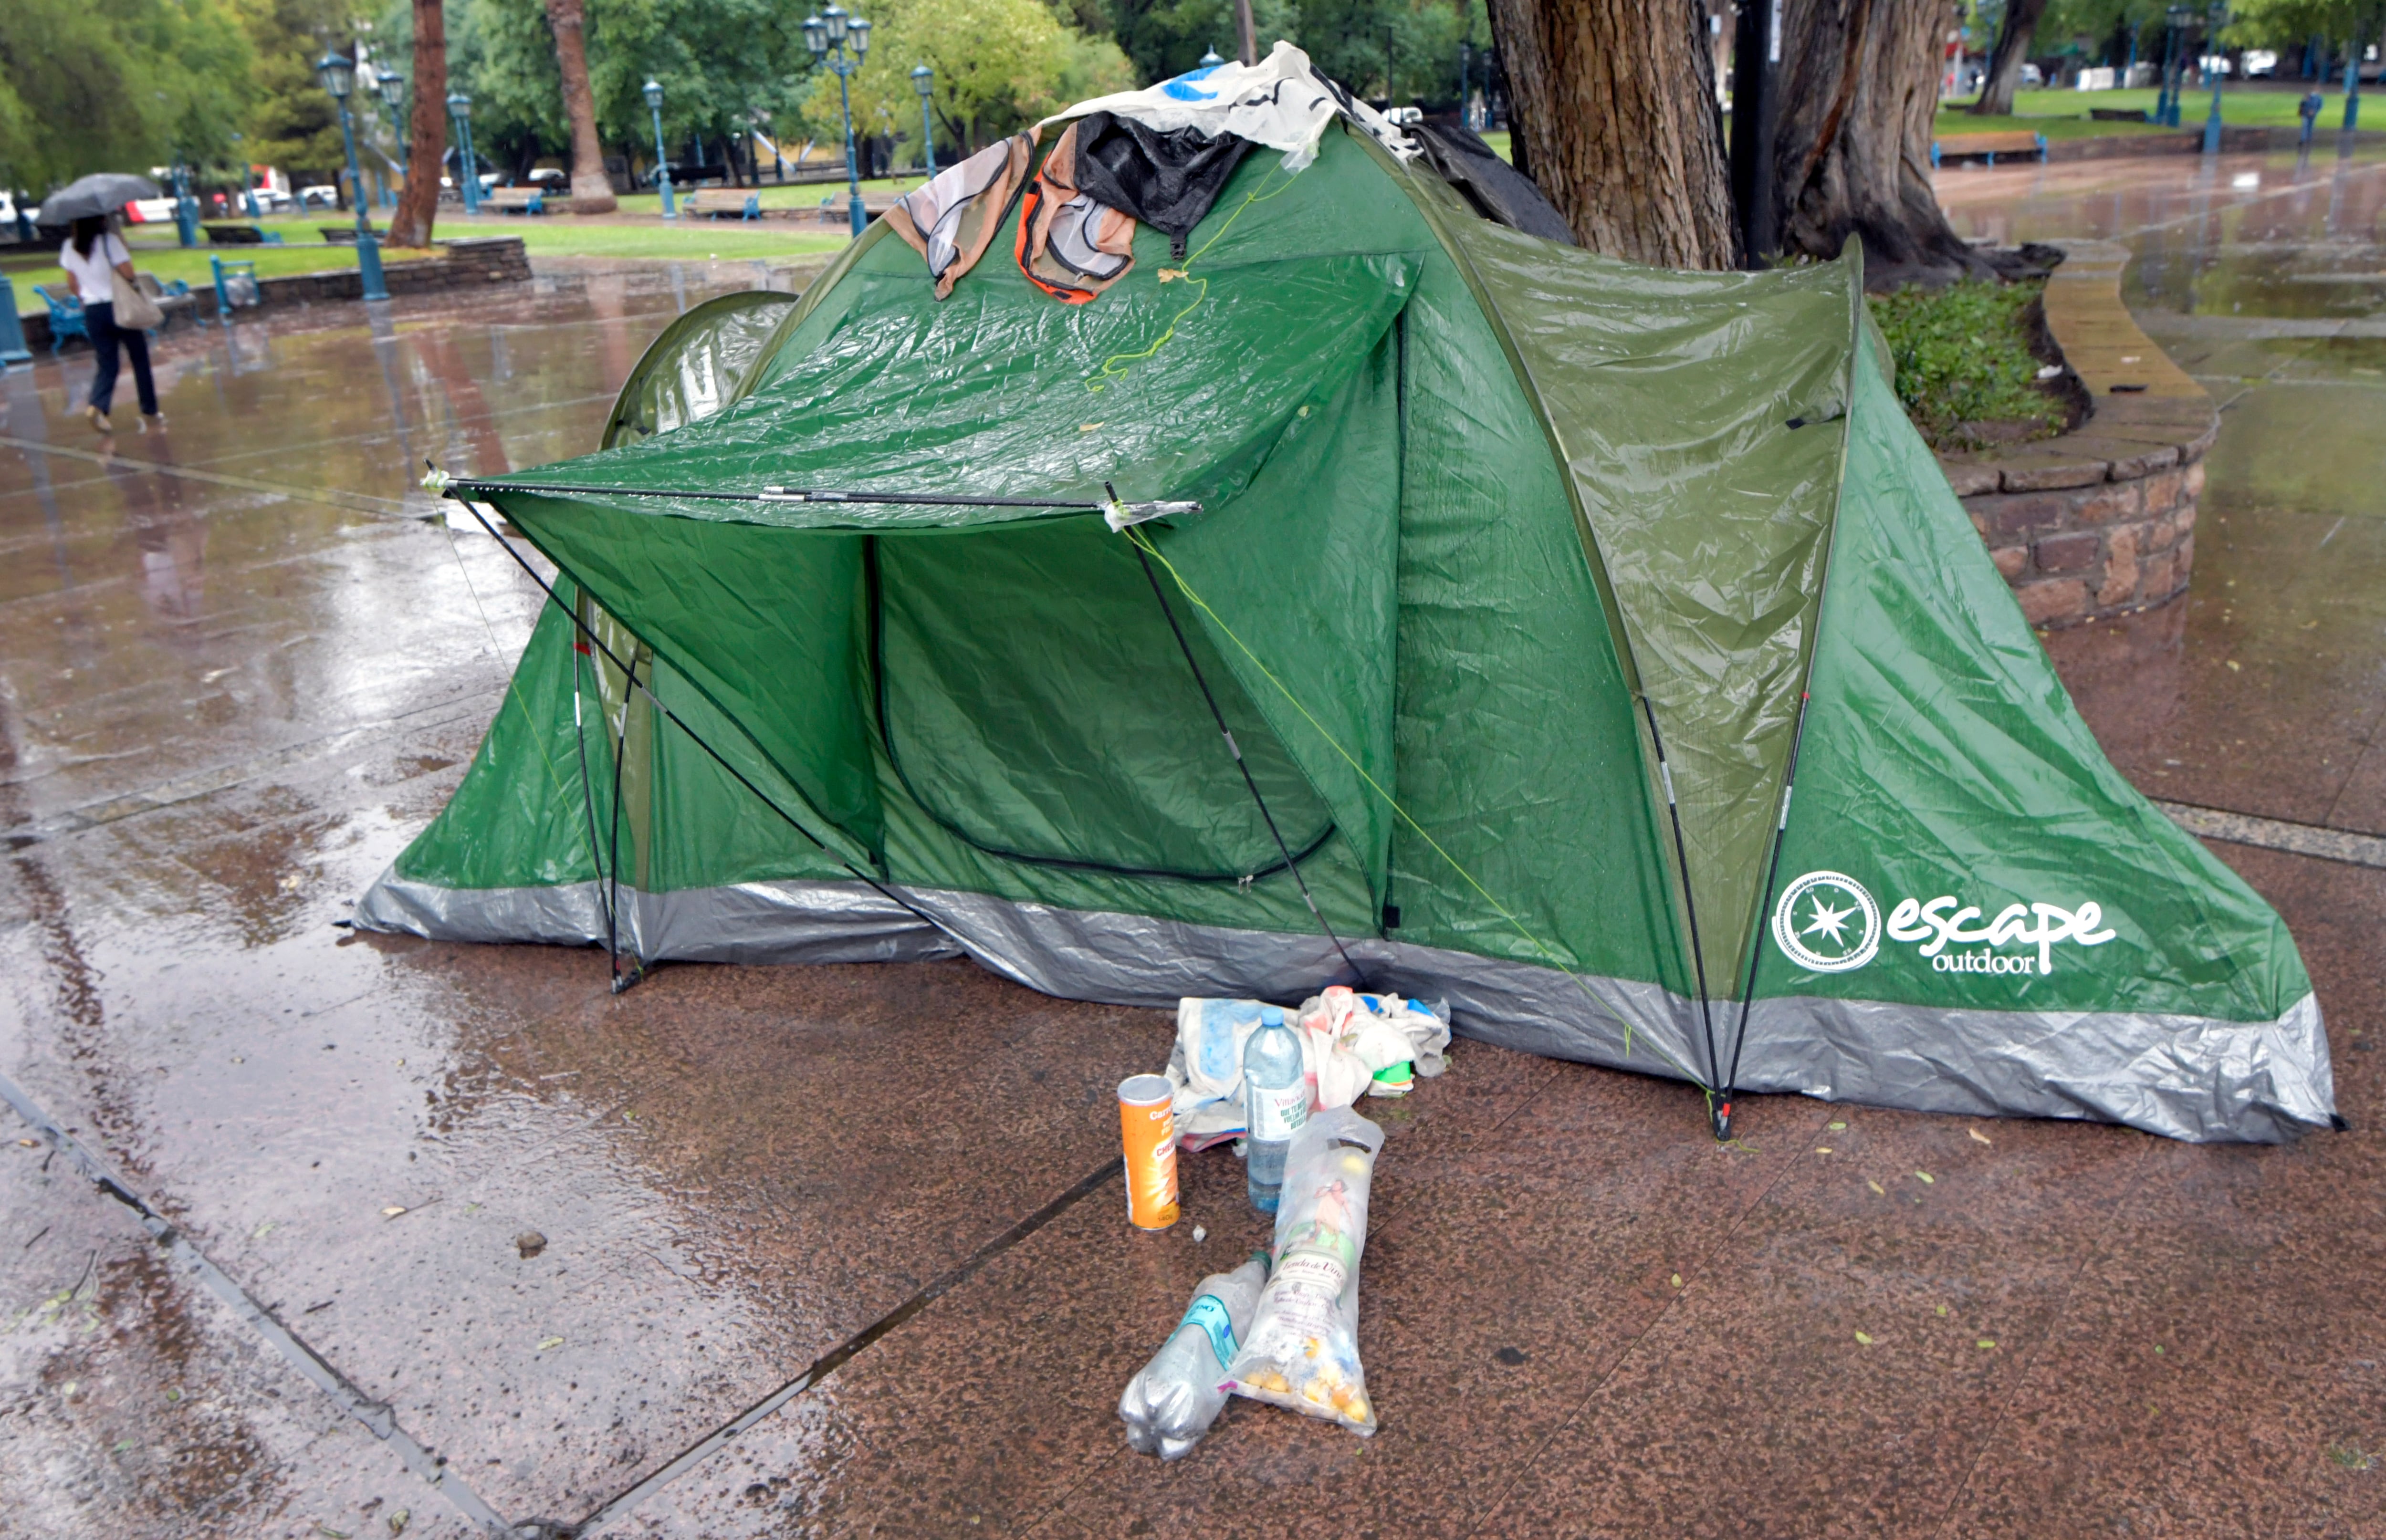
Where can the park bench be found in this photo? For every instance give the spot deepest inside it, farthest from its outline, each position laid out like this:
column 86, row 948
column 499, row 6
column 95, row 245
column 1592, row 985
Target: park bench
column 722, row 202
column 515, row 200
column 235, row 284
column 345, row 236
column 65, row 318
column 174, row 298
column 240, row 235
column 2009, row 141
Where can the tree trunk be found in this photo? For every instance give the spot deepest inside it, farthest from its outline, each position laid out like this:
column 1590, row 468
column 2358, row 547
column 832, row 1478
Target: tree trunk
column 2012, row 53
column 1247, row 35
column 427, row 143
column 591, row 194
column 1614, row 108
column 1859, row 87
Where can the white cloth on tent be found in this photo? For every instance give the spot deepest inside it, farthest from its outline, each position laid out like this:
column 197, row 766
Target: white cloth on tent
column 1345, row 1038
column 1281, row 101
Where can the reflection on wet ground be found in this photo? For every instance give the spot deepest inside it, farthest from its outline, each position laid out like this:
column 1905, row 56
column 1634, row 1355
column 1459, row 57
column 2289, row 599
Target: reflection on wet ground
column 239, row 668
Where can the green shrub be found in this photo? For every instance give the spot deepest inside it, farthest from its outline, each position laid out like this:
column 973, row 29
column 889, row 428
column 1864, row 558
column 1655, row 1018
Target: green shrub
column 1962, row 357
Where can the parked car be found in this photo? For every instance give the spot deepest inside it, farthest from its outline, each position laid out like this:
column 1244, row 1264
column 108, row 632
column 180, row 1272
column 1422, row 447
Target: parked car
column 2261, row 64
column 150, row 211
column 320, row 196
column 2032, row 77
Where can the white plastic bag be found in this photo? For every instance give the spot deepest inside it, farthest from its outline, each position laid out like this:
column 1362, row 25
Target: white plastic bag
column 1302, row 1349
column 1345, row 1038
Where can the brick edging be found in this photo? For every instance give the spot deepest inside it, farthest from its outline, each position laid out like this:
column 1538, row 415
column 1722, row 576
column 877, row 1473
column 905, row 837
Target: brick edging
column 2100, row 522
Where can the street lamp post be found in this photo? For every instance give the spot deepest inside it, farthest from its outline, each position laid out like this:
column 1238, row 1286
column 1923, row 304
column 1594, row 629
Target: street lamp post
column 2175, row 21
column 339, row 78
column 828, row 35
column 393, row 96
column 923, row 81
column 2219, row 19
column 186, row 208
column 2352, row 84
column 247, row 180
column 653, row 92
column 459, row 106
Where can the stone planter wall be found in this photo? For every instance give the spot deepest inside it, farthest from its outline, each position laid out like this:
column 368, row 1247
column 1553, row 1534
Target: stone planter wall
column 461, row 265
column 2100, row 522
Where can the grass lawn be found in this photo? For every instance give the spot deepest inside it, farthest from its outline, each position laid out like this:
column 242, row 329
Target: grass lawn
column 305, row 251
column 2064, row 114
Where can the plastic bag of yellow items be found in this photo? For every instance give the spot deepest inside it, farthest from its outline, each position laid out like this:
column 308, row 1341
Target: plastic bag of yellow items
column 1302, row 1349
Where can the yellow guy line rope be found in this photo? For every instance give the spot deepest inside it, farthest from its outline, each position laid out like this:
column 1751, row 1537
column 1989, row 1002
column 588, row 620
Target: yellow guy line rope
column 1136, row 533
column 1113, row 366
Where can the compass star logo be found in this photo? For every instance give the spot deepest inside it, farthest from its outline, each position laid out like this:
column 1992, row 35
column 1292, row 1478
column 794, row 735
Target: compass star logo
column 1826, row 922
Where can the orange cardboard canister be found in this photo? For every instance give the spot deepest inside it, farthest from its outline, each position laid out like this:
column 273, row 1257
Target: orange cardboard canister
column 1149, row 1127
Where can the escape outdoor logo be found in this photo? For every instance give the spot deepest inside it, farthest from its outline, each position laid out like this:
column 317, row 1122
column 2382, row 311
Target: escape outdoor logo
column 1826, row 922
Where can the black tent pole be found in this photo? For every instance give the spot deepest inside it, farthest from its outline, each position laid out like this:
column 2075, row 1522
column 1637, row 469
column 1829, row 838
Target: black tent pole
column 1690, row 909
column 1234, row 749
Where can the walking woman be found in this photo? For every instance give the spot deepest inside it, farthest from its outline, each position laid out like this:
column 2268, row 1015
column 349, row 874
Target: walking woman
column 99, row 267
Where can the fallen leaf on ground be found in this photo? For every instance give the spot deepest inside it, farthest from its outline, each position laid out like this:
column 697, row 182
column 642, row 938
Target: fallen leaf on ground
column 392, row 1210
column 1943, row 1309
column 1864, row 1337
column 397, row 1521
column 28, row 1144
column 550, row 1342
column 1876, row 1186
column 1822, row 1150
column 1926, row 1176
column 1678, row 1279
column 1988, row 1342
column 1835, row 1127
column 1980, row 1136
column 2235, row 667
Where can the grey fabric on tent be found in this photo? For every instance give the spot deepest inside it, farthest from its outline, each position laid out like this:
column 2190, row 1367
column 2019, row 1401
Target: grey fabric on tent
column 1498, row 192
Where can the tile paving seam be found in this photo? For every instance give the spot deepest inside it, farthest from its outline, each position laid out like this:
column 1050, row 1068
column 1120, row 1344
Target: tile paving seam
column 377, row 1417
column 837, row 1357
column 356, row 502
column 2270, row 833
column 203, row 783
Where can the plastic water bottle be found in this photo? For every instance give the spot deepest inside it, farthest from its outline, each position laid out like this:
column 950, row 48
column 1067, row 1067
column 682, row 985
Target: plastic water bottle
column 1275, row 1102
column 1171, row 1403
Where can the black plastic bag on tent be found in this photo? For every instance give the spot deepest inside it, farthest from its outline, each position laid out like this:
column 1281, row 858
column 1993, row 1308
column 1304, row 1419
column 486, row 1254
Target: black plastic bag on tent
column 1498, row 192
column 1168, row 180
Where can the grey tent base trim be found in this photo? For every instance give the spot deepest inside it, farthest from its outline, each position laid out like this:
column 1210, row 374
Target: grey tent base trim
column 748, row 922
column 2185, row 1077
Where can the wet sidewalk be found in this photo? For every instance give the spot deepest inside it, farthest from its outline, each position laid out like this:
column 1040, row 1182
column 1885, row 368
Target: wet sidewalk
column 825, row 1251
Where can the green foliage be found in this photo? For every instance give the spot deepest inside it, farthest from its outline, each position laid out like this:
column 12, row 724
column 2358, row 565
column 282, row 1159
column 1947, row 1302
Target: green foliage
column 116, row 86
column 1962, row 356
column 290, row 122
column 999, row 65
column 1347, row 38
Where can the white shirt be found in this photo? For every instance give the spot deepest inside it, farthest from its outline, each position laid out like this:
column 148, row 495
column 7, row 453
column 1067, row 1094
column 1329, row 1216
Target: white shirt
column 95, row 273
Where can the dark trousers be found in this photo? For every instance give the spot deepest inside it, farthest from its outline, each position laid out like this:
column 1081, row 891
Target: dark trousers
column 106, row 338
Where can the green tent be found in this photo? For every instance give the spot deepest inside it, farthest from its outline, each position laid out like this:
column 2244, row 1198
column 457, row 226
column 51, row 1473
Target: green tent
column 1605, row 651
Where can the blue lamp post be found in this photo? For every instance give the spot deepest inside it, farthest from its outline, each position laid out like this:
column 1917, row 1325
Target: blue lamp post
column 829, row 36
column 2175, row 21
column 653, row 92
column 186, row 208
column 393, row 96
column 2219, row 18
column 459, row 106
column 339, row 78
column 2352, row 84
column 247, row 180
column 923, row 81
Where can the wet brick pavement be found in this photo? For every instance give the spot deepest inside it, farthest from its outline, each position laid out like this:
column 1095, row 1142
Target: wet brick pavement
column 241, row 664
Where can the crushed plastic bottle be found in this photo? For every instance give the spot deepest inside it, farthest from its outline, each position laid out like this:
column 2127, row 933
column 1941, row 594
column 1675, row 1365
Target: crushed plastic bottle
column 1173, row 1401
column 1275, row 1103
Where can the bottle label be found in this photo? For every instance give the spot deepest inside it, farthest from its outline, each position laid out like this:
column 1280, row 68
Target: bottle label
column 1208, row 1312
column 1277, row 1111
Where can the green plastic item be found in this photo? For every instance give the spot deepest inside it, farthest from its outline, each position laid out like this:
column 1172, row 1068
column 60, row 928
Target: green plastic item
column 1487, row 522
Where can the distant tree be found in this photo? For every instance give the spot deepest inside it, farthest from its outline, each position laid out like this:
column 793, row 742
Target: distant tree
column 2005, row 59
column 1396, row 50
column 591, row 192
column 418, row 207
column 1615, row 111
column 117, row 87
column 999, row 65
column 291, row 123
column 1165, row 38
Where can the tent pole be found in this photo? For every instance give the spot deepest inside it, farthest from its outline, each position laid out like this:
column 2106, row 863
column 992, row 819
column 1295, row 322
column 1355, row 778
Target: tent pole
column 693, row 736
column 1235, row 749
column 613, row 837
column 1756, row 942
column 1690, row 909
column 588, row 802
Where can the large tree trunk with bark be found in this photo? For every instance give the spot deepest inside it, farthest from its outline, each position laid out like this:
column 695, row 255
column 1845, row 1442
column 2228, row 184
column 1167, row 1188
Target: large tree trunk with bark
column 1612, row 110
column 591, row 194
column 418, row 207
column 2012, row 52
column 1858, row 88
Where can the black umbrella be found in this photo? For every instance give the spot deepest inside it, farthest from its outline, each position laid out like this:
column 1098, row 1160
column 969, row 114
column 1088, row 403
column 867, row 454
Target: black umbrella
column 101, row 193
